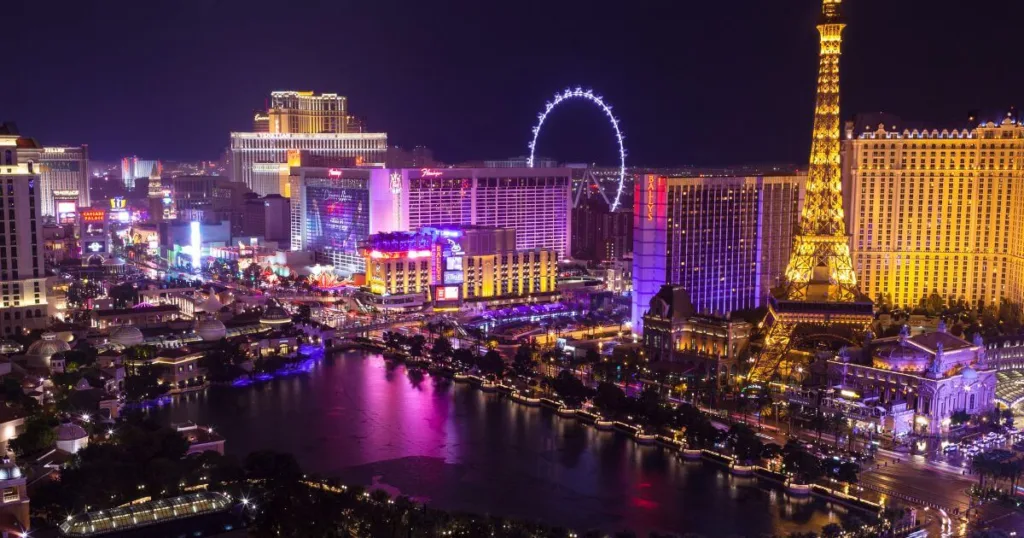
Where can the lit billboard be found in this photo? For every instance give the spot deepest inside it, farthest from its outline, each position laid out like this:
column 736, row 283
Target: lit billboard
column 67, row 212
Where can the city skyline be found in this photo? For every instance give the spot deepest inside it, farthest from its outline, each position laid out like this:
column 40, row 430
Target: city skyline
column 698, row 110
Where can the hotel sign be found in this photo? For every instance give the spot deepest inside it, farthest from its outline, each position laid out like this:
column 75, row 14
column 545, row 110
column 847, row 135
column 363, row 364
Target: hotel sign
column 93, row 215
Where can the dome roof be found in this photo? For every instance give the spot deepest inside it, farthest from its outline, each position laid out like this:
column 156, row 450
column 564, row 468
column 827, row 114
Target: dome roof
column 211, row 329
column 969, row 374
column 901, row 356
column 69, row 431
column 47, row 346
column 9, row 470
column 275, row 315
column 127, row 336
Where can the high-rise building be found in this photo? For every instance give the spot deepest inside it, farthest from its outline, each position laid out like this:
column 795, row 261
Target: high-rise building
column 598, row 234
column 936, row 213
column 334, row 209
column 133, row 168
column 23, row 302
column 301, row 128
column 820, row 295
column 268, row 217
column 263, row 160
column 64, row 178
column 306, row 112
column 725, row 240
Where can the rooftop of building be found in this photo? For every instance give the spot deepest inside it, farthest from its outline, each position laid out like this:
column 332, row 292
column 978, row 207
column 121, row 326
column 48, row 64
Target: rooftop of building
column 138, row 309
column 145, row 514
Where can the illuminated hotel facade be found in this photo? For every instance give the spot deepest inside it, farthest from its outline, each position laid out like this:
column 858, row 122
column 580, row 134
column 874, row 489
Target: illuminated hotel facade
column 263, row 160
column 335, row 209
column 301, row 128
column 936, row 212
column 725, row 240
column 451, row 265
column 23, row 302
column 64, row 181
column 306, row 112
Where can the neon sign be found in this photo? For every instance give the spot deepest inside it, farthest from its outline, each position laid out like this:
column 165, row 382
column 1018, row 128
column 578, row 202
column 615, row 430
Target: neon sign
column 427, row 172
column 95, row 247
column 118, row 203
column 93, row 215
column 411, row 254
column 650, row 197
column 334, row 172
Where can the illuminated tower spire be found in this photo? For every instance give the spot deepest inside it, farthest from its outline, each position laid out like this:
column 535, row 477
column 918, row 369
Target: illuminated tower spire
column 821, row 287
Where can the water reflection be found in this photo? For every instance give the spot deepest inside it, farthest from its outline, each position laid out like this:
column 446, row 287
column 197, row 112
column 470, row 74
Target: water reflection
column 358, row 418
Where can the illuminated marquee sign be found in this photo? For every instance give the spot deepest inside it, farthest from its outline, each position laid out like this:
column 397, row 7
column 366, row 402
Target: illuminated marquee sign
column 95, row 246
column 334, row 172
column 118, row 203
column 93, row 215
column 66, row 212
column 68, row 194
column 427, row 172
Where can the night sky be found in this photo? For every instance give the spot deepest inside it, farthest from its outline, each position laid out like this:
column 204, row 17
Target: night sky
column 693, row 82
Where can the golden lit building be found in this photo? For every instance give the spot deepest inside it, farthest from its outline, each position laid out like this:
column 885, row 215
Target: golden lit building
column 936, row 212
column 306, row 112
column 515, row 273
column 452, row 265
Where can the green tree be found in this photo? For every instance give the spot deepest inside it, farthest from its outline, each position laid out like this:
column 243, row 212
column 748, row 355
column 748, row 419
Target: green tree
column 570, row 389
column 38, row 437
column 442, row 349
column 492, row 363
column 523, row 363
column 610, row 399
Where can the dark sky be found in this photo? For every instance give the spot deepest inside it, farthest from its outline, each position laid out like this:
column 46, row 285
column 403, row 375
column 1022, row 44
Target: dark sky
column 702, row 82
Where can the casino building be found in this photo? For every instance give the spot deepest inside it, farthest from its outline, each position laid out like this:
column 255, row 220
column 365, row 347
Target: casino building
column 335, row 209
column 64, row 181
column 451, row 266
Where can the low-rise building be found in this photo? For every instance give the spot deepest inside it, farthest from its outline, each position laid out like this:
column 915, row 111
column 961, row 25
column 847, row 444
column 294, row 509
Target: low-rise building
column 200, row 438
column 708, row 346
column 934, row 374
column 449, row 266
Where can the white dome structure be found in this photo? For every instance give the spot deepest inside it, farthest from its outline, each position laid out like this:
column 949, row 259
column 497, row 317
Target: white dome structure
column 211, row 329
column 127, row 336
column 46, row 347
column 212, row 305
column 71, row 437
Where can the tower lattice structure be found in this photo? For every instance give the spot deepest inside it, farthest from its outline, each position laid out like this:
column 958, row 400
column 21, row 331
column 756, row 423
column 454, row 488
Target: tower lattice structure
column 820, row 293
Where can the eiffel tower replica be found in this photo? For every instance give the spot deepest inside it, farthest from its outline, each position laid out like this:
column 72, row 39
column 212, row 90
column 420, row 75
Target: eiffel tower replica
column 819, row 297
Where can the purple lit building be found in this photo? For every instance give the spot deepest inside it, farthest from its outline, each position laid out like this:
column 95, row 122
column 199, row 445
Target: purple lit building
column 333, row 210
column 726, row 240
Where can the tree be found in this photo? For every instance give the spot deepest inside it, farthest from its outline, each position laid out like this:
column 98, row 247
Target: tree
column 832, row 530
column 416, row 345
column 610, row 399
column 442, row 349
column 570, row 389
column 278, row 467
column 143, row 383
column 959, row 417
column 39, row 436
column 522, row 363
column 492, row 363
column 744, row 442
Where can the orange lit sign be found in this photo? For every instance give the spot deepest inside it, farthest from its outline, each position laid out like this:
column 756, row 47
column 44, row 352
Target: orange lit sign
column 650, row 197
column 93, row 215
